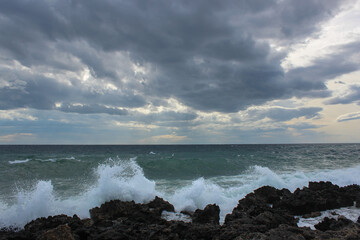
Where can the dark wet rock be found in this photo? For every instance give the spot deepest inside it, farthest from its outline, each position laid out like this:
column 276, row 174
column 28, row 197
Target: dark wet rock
column 160, row 205
column 115, row 209
column 14, row 234
column 265, row 214
column 200, row 231
column 351, row 190
column 319, row 196
column 357, row 199
column 256, row 209
column 61, row 232
column 325, row 224
column 87, row 222
column 285, row 232
column 268, row 194
column 235, row 230
column 43, row 224
column 274, row 219
column 333, row 224
column 210, row 214
column 312, row 215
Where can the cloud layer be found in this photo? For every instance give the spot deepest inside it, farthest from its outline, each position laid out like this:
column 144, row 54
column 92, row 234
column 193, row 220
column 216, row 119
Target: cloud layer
column 210, row 56
column 167, row 62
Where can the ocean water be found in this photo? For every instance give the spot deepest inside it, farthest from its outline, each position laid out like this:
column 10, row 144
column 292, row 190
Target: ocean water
column 37, row 181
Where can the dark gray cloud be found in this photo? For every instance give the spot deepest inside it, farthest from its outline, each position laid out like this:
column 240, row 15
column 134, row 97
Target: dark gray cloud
column 167, row 116
column 90, row 109
column 209, row 55
column 310, row 81
column 285, row 114
column 353, row 95
column 287, row 21
column 26, row 90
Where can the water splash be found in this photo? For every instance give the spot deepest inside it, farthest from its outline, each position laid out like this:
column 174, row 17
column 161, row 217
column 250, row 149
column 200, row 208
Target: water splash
column 125, row 180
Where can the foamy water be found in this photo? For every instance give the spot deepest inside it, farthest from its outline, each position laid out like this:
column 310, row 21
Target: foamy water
column 19, row 161
column 351, row 213
column 125, row 180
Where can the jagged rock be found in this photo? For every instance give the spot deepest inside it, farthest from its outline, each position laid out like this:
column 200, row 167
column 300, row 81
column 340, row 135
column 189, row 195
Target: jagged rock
column 319, row 186
column 274, row 219
column 210, row 214
column 319, row 196
column 115, row 209
column 333, row 224
column 268, row 194
column 161, row 205
column 284, row 232
column 14, row 234
column 255, row 209
column 61, row 232
column 235, row 230
column 42, row 224
column 265, row 214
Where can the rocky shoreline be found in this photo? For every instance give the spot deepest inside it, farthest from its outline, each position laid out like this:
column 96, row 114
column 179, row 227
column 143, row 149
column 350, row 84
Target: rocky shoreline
column 266, row 213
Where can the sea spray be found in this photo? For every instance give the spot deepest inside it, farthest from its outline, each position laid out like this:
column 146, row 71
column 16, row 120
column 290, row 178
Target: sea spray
column 118, row 179
column 200, row 193
column 29, row 205
column 124, row 179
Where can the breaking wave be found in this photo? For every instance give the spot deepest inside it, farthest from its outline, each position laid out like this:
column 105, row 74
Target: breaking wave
column 125, row 180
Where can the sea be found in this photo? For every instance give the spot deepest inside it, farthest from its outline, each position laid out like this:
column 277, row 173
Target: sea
column 42, row 180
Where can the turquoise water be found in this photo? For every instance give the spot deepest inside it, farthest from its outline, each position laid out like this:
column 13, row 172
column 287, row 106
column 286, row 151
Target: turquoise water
column 45, row 180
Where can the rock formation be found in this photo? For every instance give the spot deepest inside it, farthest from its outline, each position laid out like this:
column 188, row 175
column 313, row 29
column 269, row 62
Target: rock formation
column 267, row 213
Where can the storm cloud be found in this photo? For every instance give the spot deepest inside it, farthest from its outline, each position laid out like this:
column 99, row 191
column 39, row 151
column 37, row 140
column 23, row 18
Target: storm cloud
column 110, row 56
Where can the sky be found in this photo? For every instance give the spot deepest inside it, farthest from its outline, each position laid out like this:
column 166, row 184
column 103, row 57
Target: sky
column 179, row 72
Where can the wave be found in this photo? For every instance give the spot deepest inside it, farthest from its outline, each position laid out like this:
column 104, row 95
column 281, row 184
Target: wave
column 19, row 161
column 47, row 160
column 122, row 180
column 125, row 180
column 59, row 159
column 43, row 160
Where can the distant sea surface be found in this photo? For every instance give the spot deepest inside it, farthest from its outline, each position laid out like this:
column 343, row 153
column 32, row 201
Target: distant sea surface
column 45, row 180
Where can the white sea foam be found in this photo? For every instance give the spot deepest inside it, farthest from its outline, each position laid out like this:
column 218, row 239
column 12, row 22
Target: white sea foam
column 126, row 181
column 171, row 216
column 226, row 191
column 29, row 205
column 200, row 193
column 351, row 213
column 122, row 180
column 19, row 161
column 58, row 159
column 48, row 160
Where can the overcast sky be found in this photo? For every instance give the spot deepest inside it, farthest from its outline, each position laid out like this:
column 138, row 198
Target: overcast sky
column 160, row 71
